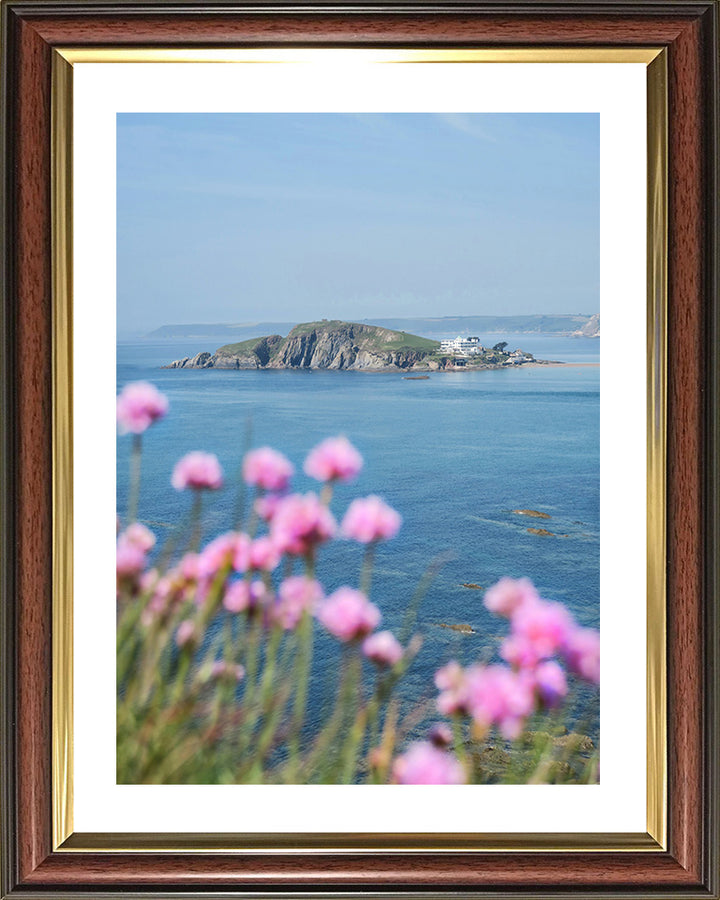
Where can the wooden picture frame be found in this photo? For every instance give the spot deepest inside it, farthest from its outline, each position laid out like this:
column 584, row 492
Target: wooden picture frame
column 683, row 864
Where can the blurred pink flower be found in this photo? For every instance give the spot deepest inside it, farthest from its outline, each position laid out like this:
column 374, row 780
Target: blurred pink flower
column 139, row 404
column 424, row 763
column 264, row 554
column 217, row 555
column 370, row 519
column 546, row 626
column 140, row 536
column 335, row 459
column 198, row 471
column 237, row 596
column 348, row 614
column 301, row 522
column 520, row 652
column 268, row 469
column 450, row 680
column 508, row 594
column 440, row 735
column 241, row 552
column 149, row 579
column 265, row 506
column 499, row 696
column 129, row 559
column 550, row 684
column 383, row 648
column 581, row 652
column 164, row 593
column 296, row 595
column 185, row 633
column 242, row 596
column 189, row 567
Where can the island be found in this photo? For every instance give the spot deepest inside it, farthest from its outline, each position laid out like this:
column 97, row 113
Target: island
column 333, row 344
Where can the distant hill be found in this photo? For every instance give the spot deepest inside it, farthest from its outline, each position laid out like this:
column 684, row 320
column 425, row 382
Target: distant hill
column 453, row 325
column 326, row 344
column 449, row 326
column 219, row 332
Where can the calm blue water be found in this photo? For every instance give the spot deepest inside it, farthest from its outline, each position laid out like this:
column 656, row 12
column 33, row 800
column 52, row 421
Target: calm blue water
column 454, row 454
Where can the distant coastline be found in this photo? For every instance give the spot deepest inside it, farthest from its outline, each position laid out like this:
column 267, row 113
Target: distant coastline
column 341, row 346
column 586, row 326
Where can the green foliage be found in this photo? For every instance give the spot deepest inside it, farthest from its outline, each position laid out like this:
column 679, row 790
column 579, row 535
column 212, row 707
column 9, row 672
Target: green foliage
column 241, row 348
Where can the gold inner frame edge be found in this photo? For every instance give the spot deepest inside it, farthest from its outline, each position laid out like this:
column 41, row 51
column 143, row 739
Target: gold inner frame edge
column 64, row 839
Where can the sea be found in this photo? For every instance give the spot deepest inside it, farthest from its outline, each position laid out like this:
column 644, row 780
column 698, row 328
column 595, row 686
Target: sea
column 456, row 454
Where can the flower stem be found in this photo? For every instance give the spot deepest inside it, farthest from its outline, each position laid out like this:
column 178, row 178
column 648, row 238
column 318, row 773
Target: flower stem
column 196, row 521
column 135, row 465
column 367, row 569
column 460, row 748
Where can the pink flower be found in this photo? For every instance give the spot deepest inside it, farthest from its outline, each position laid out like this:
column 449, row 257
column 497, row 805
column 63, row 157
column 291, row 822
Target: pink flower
column 520, row 652
column 268, row 469
column 264, row 554
column 383, row 648
column 164, row 594
column 300, row 523
column 189, row 567
column 550, row 684
column 246, row 596
column 133, row 545
column 241, row 552
column 237, row 596
column 348, row 614
column 370, row 519
column 139, row 404
column 265, row 506
column 508, row 594
column 296, row 595
column 129, row 559
column 217, row 555
column 185, row 634
column 545, row 626
column 581, row 652
column 440, row 735
column 450, row 680
column 335, row 459
column 423, row 763
column 499, row 696
column 198, row 471
column 140, row 536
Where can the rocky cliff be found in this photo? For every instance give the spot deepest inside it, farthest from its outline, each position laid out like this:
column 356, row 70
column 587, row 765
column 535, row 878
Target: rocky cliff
column 590, row 329
column 320, row 345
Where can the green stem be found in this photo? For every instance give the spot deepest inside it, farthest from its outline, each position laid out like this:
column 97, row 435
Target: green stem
column 305, row 653
column 367, row 569
column 196, row 521
column 135, row 466
column 460, row 748
column 349, row 706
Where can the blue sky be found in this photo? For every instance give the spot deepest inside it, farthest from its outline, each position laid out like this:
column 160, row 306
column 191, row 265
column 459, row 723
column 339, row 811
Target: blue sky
column 292, row 217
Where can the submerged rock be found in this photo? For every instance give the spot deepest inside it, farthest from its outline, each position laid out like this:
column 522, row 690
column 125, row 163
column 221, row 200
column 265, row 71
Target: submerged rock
column 462, row 627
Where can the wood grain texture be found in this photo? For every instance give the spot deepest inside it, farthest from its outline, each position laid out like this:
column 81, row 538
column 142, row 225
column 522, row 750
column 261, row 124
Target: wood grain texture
column 33, row 349
column 359, row 29
column 652, row 873
column 540, row 871
column 686, row 353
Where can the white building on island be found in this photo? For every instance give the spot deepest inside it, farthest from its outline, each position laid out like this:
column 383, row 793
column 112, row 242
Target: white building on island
column 462, row 346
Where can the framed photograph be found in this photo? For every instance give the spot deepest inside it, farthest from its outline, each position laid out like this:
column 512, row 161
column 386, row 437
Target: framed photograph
column 414, row 587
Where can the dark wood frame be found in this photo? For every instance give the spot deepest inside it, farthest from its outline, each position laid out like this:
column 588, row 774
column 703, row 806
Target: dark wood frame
column 689, row 31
